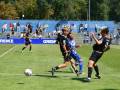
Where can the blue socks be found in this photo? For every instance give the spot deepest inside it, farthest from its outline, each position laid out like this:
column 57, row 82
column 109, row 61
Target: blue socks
column 81, row 66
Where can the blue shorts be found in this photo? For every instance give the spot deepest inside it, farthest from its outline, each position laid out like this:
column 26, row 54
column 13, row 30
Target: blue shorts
column 75, row 56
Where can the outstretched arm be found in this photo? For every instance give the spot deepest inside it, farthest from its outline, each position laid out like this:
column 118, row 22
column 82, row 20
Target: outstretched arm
column 96, row 40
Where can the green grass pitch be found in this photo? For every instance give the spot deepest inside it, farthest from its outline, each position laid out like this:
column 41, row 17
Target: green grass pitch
column 43, row 57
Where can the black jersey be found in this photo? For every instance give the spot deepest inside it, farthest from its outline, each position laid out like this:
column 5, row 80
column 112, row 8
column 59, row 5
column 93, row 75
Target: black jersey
column 62, row 40
column 102, row 47
column 27, row 40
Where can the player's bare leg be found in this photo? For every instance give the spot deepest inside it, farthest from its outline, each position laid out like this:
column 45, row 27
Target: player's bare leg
column 74, row 67
column 65, row 64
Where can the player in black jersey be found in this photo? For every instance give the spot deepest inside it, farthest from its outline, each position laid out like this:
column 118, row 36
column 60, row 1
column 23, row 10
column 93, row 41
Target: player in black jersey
column 27, row 42
column 62, row 40
column 102, row 45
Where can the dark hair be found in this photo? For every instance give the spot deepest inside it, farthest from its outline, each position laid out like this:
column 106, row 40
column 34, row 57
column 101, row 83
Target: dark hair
column 105, row 30
column 69, row 35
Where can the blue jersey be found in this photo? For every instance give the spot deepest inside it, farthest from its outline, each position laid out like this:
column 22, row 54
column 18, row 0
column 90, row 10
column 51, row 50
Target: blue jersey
column 72, row 45
column 74, row 54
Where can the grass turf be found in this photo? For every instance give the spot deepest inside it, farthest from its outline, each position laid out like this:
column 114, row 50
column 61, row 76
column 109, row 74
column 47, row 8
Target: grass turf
column 43, row 57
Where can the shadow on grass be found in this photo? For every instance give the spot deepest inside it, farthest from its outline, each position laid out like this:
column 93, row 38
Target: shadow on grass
column 62, row 71
column 20, row 83
column 81, row 79
column 44, row 75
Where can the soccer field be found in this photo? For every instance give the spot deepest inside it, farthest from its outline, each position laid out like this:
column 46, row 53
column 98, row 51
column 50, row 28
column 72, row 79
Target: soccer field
column 43, row 57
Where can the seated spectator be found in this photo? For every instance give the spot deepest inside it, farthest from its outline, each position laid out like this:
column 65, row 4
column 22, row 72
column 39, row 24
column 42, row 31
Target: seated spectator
column 8, row 35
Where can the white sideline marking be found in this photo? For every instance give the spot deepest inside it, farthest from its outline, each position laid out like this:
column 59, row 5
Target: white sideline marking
column 7, row 51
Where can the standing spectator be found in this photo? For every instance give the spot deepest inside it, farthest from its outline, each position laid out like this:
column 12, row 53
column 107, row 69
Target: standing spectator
column 118, row 36
column 85, row 27
column 12, row 28
column 29, row 28
column 72, row 26
column 49, row 35
column 18, row 27
column 97, row 28
column 4, row 28
column 37, row 32
column 81, row 29
column 15, row 26
column 12, row 31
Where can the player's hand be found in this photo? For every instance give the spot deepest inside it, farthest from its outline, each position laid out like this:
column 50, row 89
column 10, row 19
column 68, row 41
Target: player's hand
column 92, row 34
column 66, row 53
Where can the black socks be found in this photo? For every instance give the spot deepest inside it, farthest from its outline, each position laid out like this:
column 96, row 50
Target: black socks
column 96, row 70
column 89, row 72
column 56, row 68
column 30, row 48
column 23, row 48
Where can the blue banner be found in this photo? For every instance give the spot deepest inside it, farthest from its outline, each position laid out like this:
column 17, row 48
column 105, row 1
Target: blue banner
column 33, row 41
column 52, row 25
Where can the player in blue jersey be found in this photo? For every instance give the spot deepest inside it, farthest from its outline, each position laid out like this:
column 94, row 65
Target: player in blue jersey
column 64, row 47
column 74, row 54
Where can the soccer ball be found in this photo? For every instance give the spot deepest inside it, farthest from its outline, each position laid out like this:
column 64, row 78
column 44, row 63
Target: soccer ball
column 28, row 72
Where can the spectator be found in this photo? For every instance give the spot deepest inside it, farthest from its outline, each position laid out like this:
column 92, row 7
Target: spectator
column 12, row 31
column 18, row 26
column 12, row 28
column 85, row 27
column 15, row 27
column 29, row 28
column 22, row 35
column 8, row 35
column 81, row 29
column 49, row 35
column 4, row 28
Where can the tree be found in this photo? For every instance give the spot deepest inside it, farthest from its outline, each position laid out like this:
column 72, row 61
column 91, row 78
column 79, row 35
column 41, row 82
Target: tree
column 69, row 9
column 7, row 11
column 45, row 9
column 27, row 8
column 114, row 10
column 60, row 9
column 100, row 9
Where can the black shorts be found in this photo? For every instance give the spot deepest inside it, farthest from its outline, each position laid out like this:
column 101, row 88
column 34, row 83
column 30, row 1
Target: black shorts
column 66, row 57
column 95, row 56
column 27, row 43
